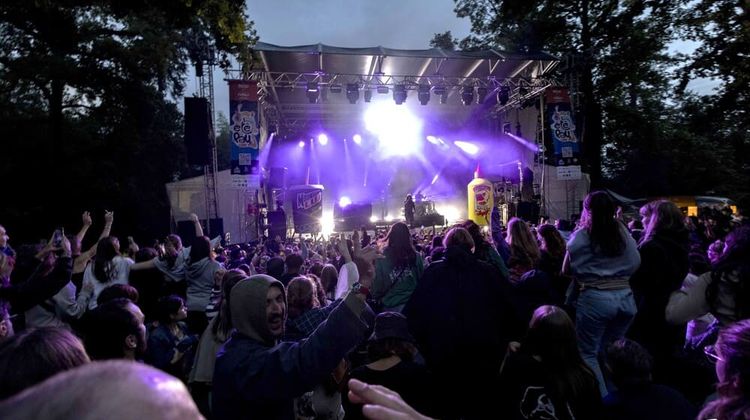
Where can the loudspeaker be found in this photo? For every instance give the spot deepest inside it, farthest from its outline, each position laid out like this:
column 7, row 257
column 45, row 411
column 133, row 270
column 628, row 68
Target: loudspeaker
column 528, row 211
column 186, row 232
column 276, row 224
column 197, row 131
column 352, row 217
column 277, row 178
column 215, row 228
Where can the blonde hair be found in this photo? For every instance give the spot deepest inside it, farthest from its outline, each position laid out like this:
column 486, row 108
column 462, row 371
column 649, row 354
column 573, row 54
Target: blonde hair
column 301, row 296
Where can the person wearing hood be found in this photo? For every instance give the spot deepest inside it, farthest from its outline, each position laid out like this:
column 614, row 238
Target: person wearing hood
column 255, row 375
column 459, row 316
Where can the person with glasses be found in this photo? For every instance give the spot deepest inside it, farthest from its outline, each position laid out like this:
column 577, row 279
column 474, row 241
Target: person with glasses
column 731, row 353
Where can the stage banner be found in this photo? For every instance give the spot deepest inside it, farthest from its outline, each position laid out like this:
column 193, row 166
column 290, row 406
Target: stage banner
column 561, row 127
column 307, row 209
column 245, row 134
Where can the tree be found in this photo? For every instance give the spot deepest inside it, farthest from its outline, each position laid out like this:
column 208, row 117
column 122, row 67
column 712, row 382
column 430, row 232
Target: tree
column 618, row 49
column 84, row 90
column 444, row 40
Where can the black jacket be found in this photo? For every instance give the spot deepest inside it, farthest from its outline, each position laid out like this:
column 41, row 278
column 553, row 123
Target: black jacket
column 458, row 315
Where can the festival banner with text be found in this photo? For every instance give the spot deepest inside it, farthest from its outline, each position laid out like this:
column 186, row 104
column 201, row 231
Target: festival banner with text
column 245, row 133
column 561, row 127
column 307, row 209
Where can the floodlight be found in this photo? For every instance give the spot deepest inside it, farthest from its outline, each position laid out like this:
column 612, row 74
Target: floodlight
column 423, row 94
column 313, row 92
column 335, row 88
column 352, row 92
column 503, row 95
column 399, row 94
column 467, row 95
column 368, row 94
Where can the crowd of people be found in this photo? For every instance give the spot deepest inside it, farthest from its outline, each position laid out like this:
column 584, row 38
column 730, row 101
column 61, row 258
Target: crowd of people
column 606, row 318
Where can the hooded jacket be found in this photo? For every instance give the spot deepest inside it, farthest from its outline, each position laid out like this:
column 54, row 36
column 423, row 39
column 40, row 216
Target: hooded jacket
column 200, row 281
column 257, row 378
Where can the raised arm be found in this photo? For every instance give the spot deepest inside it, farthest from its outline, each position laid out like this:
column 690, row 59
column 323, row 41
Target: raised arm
column 197, row 224
column 109, row 217
column 86, row 218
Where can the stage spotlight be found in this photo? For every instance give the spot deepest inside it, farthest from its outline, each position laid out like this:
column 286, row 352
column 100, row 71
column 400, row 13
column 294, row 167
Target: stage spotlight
column 368, row 94
column 467, row 95
column 374, row 219
column 399, row 94
column 313, row 92
column 382, row 89
column 336, row 88
column 467, row 147
column 301, row 143
column 357, row 138
column 388, row 218
column 344, row 201
column 442, row 92
column 503, row 95
column 352, row 92
column 434, row 140
column 322, row 139
column 423, row 94
column 481, row 94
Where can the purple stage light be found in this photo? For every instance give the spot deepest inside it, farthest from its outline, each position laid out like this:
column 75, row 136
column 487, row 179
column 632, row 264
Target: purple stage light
column 344, row 201
column 301, row 143
column 357, row 138
column 399, row 132
column 322, row 139
column 467, row 147
column 434, row 140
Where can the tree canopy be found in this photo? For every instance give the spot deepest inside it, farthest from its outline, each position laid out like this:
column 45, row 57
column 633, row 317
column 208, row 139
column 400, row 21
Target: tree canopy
column 643, row 133
column 87, row 99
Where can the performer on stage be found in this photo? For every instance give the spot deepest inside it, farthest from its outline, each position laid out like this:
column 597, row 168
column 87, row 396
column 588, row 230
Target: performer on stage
column 409, row 210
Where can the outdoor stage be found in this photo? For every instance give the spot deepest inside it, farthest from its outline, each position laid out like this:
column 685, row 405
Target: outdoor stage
column 362, row 128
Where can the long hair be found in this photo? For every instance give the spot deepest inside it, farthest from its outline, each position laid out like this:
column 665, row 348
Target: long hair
column 106, row 250
column 523, row 246
column 329, row 278
column 731, row 273
column 552, row 337
column 400, row 250
column 223, row 325
column 599, row 220
column 552, row 241
column 733, row 346
column 666, row 217
column 200, row 249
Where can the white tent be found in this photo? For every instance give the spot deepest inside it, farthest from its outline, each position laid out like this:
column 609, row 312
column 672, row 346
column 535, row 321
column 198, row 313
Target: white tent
column 189, row 196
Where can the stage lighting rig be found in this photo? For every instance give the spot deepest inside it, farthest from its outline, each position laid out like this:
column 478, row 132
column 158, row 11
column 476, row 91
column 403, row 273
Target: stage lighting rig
column 503, row 95
column 368, row 94
column 442, row 92
column 481, row 94
column 352, row 92
column 336, row 88
column 467, row 95
column 399, row 94
column 312, row 92
column 382, row 89
column 423, row 94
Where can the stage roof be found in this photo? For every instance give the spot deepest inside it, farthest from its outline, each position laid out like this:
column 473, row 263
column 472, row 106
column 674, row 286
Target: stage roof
column 286, row 72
